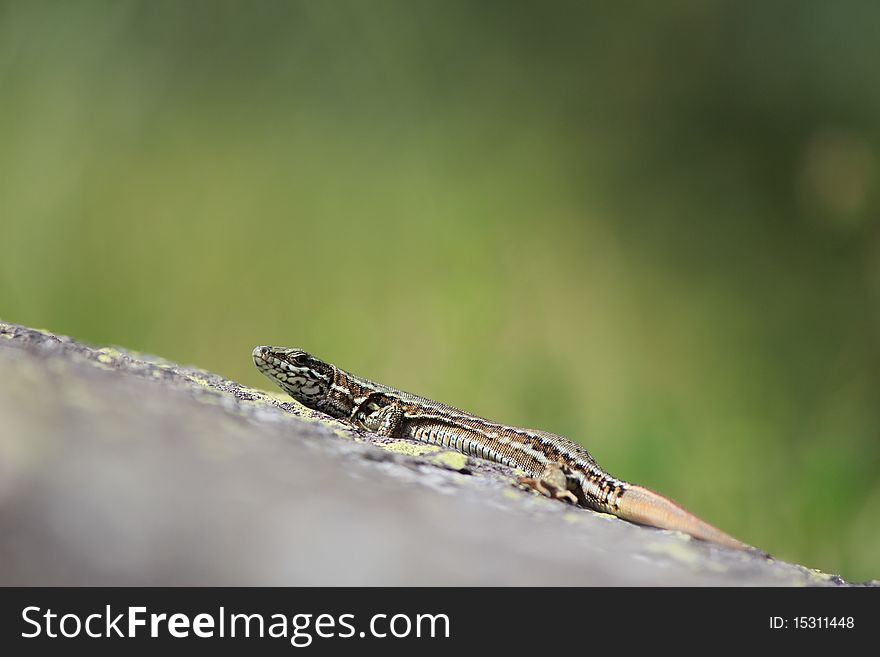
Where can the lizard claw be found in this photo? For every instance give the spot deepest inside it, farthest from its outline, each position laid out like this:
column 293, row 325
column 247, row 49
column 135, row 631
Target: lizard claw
column 552, row 483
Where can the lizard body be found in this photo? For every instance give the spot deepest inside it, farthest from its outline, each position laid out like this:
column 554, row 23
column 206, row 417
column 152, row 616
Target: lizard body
column 556, row 466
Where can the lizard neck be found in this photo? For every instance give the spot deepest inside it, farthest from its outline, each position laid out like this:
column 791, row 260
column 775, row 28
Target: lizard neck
column 343, row 396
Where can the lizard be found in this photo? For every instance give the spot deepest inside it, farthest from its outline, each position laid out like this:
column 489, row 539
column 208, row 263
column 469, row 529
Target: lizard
column 555, row 466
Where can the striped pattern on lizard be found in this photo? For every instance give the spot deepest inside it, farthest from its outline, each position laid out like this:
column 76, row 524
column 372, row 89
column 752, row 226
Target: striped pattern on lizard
column 555, row 465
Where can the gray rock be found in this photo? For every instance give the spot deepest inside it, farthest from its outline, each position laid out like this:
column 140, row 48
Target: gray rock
column 118, row 468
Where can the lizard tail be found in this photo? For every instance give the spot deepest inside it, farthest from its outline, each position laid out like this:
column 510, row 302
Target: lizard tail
column 644, row 506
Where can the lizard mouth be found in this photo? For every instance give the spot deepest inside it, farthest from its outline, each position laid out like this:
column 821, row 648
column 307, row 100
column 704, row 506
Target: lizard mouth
column 268, row 362
column 280, row 362
column 272, row 367
column 261, row 357
column 298, row 374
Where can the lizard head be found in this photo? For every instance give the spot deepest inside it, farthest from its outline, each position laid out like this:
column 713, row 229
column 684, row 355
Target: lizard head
column 302, row 376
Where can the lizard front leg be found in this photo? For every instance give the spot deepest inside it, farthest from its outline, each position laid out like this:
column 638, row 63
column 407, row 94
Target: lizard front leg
column 379, row 414
column 387, row 421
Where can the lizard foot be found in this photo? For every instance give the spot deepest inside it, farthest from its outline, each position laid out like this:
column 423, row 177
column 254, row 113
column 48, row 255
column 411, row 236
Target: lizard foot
column 552, row 483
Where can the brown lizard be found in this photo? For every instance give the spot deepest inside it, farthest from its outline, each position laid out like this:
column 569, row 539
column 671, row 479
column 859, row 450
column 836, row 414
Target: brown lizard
column 556, row 466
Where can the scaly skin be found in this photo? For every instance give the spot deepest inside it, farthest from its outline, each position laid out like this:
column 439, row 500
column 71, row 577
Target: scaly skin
column 555, row 465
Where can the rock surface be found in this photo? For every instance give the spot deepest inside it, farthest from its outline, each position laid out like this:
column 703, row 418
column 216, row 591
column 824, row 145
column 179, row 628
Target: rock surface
column 118, row 468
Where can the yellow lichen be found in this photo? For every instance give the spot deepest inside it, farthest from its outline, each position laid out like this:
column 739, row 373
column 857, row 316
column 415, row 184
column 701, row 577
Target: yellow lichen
column 410, row 449
column 450, row 460
column 818, row 574
column 681, row 550
column 111, row 352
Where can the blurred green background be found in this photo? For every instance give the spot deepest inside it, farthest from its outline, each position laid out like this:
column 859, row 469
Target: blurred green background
column 650, row 227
